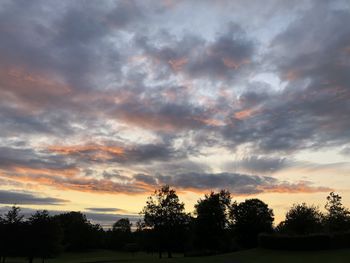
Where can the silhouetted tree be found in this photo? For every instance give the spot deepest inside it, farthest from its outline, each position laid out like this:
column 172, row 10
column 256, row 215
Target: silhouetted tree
column 44, row 236
column 250, row 218
column 13, row 233
column 145, row 237
column 302, row 219
column 120, row 234
column 123, row 225
column 165, row 214
column 212, row 221
column 2, row 238
column 337, row 218
column 79, row 233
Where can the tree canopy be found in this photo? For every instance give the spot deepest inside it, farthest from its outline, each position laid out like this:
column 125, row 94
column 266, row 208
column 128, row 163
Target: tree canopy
column 165, row 214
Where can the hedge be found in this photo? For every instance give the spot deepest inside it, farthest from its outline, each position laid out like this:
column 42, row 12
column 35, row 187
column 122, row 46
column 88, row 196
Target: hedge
column 286, row 242
column 305, row 242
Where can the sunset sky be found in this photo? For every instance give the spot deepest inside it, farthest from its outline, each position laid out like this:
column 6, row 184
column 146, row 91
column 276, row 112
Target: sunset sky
column 101, row 102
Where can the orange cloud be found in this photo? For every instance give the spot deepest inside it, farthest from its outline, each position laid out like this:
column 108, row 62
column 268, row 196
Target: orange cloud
column 115, row 150
column 60, row 181
column 30, row 89
column 71, row 172
column 244, row 114
column 177, row 64
column 294, row 188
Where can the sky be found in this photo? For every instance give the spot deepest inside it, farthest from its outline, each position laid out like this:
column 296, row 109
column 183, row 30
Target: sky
column 101, row 102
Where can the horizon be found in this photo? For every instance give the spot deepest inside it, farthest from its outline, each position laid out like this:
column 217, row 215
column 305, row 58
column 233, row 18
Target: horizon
column 104, row 101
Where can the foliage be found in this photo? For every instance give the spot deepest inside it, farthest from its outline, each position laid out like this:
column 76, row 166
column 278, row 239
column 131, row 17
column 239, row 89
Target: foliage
column 337, row 218
column 250, row 218
column 120, row 234
column 212, row 221
column 302, row 219
column 44, row 235
column 79, row 233
column 165, row 215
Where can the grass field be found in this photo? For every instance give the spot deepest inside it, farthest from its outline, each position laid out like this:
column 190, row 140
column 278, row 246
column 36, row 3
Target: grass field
column 248, row 256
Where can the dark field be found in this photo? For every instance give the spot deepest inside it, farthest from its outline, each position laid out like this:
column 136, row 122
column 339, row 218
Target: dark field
column 248, row 256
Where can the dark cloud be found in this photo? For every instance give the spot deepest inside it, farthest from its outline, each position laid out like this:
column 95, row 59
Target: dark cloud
column 117, row 153
column 11, row 157
column 144, row 178
column 240, row 184
column 221, row 58
column 312, row 110
column 27, row 198
column 260, row 164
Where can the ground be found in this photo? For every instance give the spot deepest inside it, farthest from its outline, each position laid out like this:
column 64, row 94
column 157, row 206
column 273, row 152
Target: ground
column 248, row 256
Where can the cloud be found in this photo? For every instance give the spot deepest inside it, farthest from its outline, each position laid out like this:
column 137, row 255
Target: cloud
column 221, row 58
column 260, row 164
column 27, row 198
column 113, row 153
column 120, row 84
column 104, row 210
column 239, row 184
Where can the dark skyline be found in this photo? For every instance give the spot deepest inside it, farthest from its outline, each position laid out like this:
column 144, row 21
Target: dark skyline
column 103, row 101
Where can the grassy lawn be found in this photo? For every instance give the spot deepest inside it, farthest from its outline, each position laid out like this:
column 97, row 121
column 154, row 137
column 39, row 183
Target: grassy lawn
column 248, row 256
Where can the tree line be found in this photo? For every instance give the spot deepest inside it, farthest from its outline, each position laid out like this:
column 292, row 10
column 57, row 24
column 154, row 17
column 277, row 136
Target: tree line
column 218, row 224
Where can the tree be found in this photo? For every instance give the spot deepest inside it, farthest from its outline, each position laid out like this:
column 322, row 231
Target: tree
column 2, row 238
column 123, row 225
column 79, row 233
column 13, row 234
column 166, row 216
column 120, row 234
column 250, row 218
column 337, row 218
column 212, row 221
column 302, row 219
column 44, row 236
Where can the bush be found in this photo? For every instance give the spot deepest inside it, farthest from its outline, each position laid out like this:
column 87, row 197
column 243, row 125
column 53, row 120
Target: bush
column 301, row 242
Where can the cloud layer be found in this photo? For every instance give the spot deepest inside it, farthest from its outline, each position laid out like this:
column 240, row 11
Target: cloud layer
column 122, row 96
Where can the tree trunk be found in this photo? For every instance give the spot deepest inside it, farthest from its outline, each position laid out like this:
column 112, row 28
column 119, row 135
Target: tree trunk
column 3, row 259
column 160, row 254
column 30, row 259
column 169, row 254
column 43, row 260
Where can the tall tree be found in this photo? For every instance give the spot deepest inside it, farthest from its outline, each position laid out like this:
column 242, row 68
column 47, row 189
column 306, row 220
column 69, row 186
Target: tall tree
column 2, row 238
column 44, row 236
column 13, row 233
column 337, row 218
column 302, row 219
column 165, row 214
column 212, row 221
column 250, row 218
